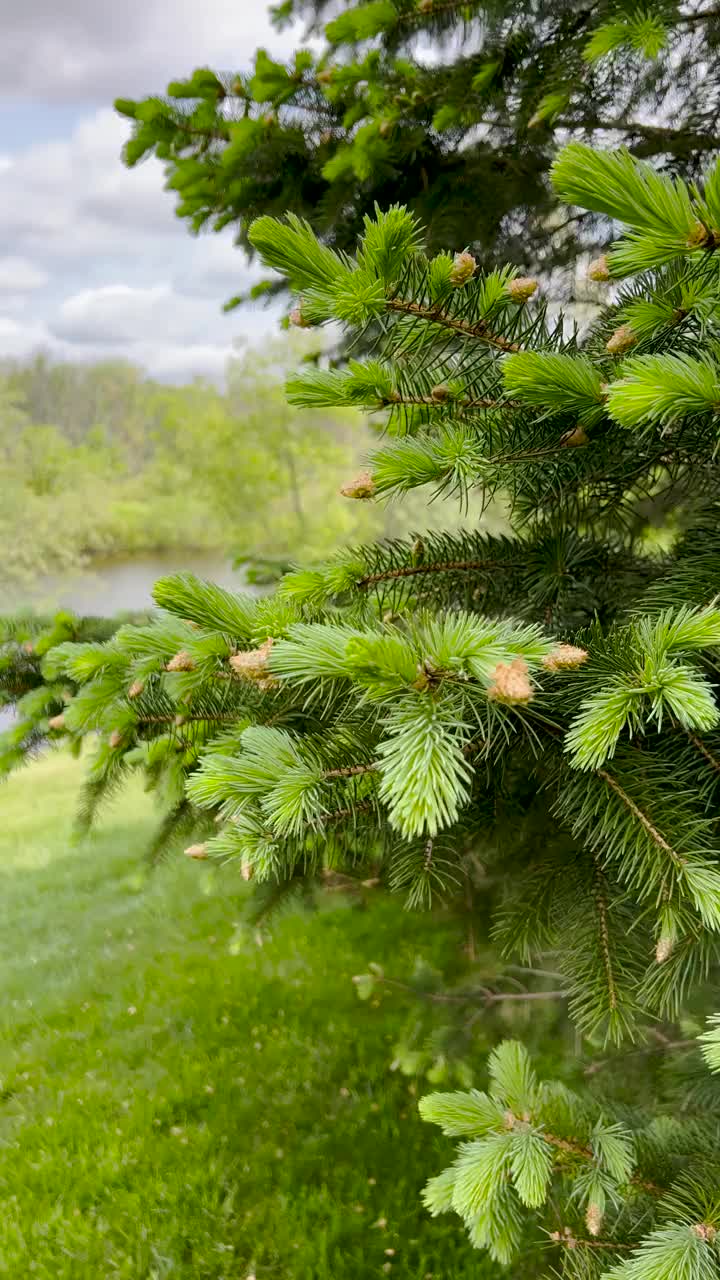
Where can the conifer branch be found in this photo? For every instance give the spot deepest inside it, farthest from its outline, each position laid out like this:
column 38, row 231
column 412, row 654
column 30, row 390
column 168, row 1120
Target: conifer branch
column 601, row 903
column 452, row 402
column 436, row 315
column 700, row 746
column 352, row 770
column 643, row 819
column 579, row 1149
column 337, row 815
column 445, row 566
column 179, row 719
column 570, row 1241
column 414, row 17
column 207, row 134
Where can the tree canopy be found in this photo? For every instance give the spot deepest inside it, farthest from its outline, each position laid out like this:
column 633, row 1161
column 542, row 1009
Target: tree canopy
column 453, row 109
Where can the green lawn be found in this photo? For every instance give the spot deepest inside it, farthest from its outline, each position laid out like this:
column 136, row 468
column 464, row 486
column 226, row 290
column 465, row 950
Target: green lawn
column 177, row 1100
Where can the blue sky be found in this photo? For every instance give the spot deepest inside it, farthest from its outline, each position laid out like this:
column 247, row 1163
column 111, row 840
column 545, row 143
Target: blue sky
column 93, row 263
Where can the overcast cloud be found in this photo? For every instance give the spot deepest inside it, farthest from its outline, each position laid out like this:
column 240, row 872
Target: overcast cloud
column 93, row 262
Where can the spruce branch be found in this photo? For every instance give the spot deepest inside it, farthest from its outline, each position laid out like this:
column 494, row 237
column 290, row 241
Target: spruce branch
column 656, row 836
column 469, row 329
column 447, row 566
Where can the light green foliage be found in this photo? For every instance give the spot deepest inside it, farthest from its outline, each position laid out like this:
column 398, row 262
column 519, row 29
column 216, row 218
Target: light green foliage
column 655, row 683
column 517, row 1155
column 424, row 773
column 663, row 215
column 642, row 30
column 659, row 390
column 531, row 1148
column 672, row 1253
column 562, row 383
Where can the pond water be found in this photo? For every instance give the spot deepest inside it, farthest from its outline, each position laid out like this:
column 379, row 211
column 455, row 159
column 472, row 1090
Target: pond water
column 117, row 585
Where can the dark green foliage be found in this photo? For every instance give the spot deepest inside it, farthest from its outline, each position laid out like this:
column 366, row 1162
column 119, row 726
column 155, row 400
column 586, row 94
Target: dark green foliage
column 464, row 140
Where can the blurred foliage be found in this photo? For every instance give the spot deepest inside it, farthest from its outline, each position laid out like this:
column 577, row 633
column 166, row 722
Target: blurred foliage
column 101, row 460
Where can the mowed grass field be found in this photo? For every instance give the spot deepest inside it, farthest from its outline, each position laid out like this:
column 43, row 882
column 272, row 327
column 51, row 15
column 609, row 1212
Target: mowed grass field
column 178, row 1099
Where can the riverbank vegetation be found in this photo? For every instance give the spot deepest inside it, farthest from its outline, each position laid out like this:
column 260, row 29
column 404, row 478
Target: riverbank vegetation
column 101, row 460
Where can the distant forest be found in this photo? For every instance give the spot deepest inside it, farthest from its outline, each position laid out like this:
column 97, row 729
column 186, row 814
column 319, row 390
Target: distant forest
column 102, row 460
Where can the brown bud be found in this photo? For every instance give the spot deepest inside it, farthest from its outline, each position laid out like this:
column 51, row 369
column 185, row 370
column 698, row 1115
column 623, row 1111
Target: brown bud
column 252, row 665
column 522, row 288
column 115, row 740
column 564, row 657
column 599, row 269
column 621, row 340
column 440, row 393
column 28, row 647
column 325, row 76
column 363, row 486
column 664, row 948
column 573, row 439
column 426, row 6
column 181, row 662
column 463, row 269
column 704, row 1231
column 136, row 688
column 385, row 128
column 197, row 851
column 594, row 1219
column 325, row 137
column 180, row 721
column 246, row 871
column 510, row 683
column 298, row 319
column 703, row 237
column 57, row 722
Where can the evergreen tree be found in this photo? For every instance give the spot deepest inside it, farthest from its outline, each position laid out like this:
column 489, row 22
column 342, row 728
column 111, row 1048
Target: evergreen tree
column 464, row 140
column 534, row 716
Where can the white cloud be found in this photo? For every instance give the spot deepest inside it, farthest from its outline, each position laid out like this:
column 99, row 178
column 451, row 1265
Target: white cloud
column 71, row 198
column 118, row 313
column 18, row 275
column 95, row 50
column 19, row 338
column 96, row 263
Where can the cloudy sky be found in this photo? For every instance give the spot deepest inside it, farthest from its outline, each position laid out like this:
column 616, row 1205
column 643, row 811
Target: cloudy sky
column 93, row 262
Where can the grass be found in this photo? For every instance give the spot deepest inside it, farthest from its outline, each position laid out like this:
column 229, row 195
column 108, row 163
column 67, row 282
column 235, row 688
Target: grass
column 177, row 1100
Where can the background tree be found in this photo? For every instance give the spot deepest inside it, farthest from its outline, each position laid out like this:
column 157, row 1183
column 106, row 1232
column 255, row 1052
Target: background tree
column 454, row 109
